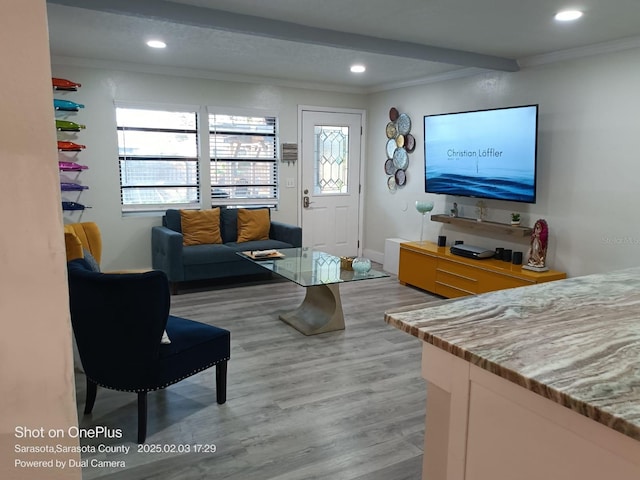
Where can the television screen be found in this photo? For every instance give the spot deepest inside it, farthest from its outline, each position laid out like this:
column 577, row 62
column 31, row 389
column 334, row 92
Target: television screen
column 483, row 153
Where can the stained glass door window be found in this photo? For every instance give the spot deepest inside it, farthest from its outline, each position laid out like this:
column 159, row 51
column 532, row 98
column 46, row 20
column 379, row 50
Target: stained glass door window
column 331, row 159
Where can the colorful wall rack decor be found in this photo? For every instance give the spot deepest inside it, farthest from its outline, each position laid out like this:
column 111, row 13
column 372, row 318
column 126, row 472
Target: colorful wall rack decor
column 66, row 146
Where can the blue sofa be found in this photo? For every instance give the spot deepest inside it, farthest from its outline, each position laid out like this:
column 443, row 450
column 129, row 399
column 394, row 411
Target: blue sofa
column 199, row 262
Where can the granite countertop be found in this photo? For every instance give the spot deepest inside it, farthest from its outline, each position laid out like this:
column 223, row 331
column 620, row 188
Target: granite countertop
column 574, row 341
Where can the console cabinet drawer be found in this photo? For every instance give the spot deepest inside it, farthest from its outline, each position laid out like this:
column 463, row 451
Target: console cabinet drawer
column 457, row 280
column 417, row 269
column 450, row 291
column 490, row 282
column 475, row 279
column 459, row 269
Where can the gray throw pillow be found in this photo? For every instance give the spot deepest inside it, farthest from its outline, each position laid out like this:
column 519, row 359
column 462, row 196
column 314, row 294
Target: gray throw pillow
column 90, row 260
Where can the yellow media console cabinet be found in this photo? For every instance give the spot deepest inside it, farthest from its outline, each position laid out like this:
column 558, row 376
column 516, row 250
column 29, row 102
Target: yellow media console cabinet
column 436, row 270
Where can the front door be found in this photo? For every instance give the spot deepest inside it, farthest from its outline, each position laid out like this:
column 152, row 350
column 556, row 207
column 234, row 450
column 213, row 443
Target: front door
column 331, row 181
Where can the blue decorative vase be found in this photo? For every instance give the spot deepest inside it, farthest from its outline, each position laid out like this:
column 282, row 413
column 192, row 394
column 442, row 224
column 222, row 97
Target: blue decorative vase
column 361, row 265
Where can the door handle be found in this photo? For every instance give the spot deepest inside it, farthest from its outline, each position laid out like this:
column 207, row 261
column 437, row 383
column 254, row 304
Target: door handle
column 305, row 199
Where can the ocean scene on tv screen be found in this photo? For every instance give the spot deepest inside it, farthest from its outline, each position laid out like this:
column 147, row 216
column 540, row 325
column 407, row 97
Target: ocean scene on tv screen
column 487, row 154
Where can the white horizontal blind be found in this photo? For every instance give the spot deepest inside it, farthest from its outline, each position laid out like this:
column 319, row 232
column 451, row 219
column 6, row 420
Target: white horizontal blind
column 243, row 152
column 158, row 156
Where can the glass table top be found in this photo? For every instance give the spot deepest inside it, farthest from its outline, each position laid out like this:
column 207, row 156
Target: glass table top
column 308, row 267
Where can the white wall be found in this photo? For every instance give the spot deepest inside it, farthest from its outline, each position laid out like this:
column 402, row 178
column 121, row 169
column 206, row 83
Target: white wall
column 127, row 240
column 37, row 387
column 588, row 168
column 586, row 163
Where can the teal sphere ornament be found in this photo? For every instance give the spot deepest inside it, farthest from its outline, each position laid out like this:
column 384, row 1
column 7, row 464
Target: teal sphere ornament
column 361, row 265
column 424, row 207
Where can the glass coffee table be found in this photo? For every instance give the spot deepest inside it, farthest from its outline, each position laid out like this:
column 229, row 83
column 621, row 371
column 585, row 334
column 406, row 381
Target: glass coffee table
column 321, row 275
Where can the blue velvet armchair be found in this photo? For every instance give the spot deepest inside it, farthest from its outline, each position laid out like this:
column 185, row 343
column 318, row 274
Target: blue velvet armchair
column 118, row 322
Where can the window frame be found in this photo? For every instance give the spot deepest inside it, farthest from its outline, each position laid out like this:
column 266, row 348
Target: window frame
column 271, row 202
column 145, row 208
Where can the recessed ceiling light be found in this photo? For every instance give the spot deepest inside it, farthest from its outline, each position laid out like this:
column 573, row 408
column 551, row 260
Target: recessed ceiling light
column 568, row 15
column 156, row 44
column 358, row 68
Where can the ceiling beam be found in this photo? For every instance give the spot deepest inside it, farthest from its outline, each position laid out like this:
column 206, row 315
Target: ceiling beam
column 251, row 25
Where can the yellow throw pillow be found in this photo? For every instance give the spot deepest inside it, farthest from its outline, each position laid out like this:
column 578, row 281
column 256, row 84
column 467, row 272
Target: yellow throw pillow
column 253, row 224
column 200, row 227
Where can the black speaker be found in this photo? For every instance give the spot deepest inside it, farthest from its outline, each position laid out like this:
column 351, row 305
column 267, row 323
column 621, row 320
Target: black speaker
column 517, row 258
column 442, row 241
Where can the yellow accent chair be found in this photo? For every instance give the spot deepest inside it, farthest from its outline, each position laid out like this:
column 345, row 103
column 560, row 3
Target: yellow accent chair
column 82, row 235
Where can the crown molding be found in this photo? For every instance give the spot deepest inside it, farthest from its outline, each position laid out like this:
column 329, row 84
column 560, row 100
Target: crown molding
column 579, row 52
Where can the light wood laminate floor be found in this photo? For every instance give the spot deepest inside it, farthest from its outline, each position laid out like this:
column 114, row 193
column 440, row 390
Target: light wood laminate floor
column 342, row 405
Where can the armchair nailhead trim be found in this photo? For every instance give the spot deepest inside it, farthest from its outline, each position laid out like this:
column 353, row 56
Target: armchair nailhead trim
column 163, row 386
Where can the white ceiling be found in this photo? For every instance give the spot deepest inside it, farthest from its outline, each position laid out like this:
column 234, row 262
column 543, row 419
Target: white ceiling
column 313, row 42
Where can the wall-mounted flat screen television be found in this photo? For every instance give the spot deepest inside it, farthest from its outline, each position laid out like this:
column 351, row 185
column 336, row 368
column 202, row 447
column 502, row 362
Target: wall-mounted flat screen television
column 483, row 153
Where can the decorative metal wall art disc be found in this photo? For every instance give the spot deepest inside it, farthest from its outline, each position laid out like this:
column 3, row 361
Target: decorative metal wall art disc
column 400, row 158
column 399, row 144
column 403, row 124
column 409, row 143
column 392, row 131
column 391, row 147
column 389, row 167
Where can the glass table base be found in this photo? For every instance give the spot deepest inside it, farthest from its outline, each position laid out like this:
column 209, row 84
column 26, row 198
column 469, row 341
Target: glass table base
column 319, row 312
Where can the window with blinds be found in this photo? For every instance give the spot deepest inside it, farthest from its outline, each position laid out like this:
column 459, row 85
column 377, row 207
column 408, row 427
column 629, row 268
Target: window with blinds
column 243, row 153
column 158, row 156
